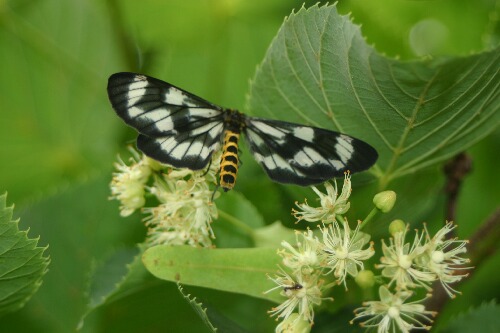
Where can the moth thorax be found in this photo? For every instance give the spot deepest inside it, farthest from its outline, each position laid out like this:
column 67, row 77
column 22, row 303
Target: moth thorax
column 229, row 160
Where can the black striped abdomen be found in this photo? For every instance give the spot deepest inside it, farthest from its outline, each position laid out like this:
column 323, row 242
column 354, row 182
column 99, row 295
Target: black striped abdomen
column 229, row 160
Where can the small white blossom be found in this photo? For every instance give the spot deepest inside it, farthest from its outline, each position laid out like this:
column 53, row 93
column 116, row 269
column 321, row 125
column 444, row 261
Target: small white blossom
column 400, row 265
column 302, row 292
column 304, row 257
column 393, row 313
column 331, row 203
column 442, row 257
column 128, row 184
column 343, row 250
column 185, row 211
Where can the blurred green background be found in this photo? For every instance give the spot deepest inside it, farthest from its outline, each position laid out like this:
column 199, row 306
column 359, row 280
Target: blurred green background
column 60, row 136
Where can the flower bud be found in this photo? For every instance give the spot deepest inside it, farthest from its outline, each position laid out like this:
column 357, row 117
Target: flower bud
column 397, row 226
column 385, row 200
column 365, row 279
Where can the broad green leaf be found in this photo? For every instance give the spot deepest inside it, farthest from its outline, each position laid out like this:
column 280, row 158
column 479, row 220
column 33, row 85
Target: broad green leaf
column 22, row 264
column 485, row 318
column 235, row 270
column 320, row 71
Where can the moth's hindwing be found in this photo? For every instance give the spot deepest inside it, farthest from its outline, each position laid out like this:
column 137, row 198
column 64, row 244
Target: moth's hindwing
column 176, row 127
column 304, row 155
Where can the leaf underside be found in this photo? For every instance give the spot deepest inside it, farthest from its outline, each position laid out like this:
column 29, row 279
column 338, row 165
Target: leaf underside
column 319, row 70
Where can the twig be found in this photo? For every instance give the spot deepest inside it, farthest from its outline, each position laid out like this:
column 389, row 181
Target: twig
column 455, row 171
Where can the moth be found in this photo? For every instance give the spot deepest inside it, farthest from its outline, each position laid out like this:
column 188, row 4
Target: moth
column 183, row 130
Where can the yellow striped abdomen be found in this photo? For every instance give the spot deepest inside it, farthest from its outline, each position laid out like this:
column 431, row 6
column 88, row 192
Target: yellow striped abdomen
column 229, row 160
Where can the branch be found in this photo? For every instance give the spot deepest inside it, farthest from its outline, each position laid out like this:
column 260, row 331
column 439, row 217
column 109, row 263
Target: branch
column 455, row 171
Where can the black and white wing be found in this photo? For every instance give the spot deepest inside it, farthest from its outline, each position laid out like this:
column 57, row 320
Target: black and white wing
column 175, row 127
column 303, row 155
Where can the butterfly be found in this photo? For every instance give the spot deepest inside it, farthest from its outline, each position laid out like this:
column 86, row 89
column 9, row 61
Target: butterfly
column 183, row 130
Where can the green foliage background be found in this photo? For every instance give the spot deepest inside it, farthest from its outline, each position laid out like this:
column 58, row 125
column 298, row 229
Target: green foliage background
column 60, row 138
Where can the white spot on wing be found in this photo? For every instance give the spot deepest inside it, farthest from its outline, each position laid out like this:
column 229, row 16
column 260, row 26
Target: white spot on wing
column 175, row 96
column 167, row 144
column 204, row 113
column 314, row 155
column 281, row 163
column 165, row 125
column 338, row 165
column 255, row 138
column 203, row 129
column 136, row 90
column 344, row 148
column 134, row 111
column 161, row 119
column 258, row 157
column 308, row 157
column 269, row 130
column 273, row 162
column 304, row 133
column 204, row 153
column 216, row 131
column 179, row 151
column 195, row 149
column 302, row 159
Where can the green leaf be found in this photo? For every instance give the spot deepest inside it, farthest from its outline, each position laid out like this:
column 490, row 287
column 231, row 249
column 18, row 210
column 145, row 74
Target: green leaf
column 110, row 275
column 234, row 270
column 272, row 235
column 53, row 128
column 22, row 264
column 198, row 307
column 82, row 227
column 118, row 277
column 237, row 220
column 319, row 70
column 484, row 318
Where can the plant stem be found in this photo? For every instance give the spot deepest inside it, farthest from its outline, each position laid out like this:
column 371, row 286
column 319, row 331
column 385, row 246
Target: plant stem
column 368, row 218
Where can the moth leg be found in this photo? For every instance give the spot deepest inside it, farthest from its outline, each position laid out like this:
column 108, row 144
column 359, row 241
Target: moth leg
column 208, row 169
column 213, row 194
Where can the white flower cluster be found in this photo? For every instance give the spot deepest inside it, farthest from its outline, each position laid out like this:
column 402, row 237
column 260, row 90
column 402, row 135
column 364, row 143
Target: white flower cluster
column 393, row 313
column 319, row 261
column 311, row 261
column 426, row 260
column 409, row 266
column 128, row 184
column 185, row 209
